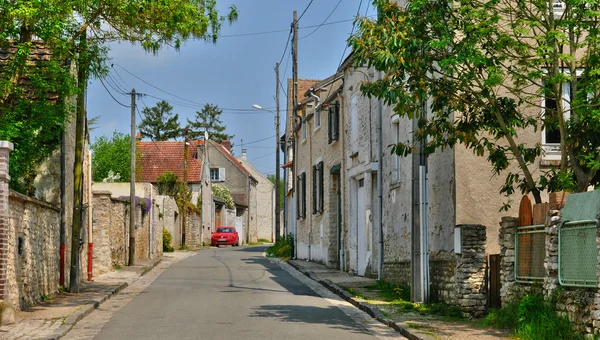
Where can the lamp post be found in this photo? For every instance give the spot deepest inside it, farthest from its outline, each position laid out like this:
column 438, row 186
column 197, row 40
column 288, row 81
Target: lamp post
column 277, row 179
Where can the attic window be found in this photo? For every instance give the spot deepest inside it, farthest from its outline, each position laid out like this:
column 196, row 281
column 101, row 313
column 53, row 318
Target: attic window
column 217, row 174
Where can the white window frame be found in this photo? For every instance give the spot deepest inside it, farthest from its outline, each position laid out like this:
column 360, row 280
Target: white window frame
column 220, row 174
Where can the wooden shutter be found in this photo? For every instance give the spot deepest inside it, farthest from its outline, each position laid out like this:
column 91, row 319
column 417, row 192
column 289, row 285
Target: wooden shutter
column 221, row 174
column 336, row 121
column 321, row 191
column 303, row 194
column 330, row 123
column 314, row 189
column 298, row 198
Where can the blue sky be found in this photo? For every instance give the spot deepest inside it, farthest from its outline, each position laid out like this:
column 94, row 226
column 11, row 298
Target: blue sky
column 234, row 74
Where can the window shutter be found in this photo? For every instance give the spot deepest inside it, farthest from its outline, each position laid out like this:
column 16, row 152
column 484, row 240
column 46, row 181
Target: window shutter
column 330, row 123
column 314, row 189
column 222, row 174
column 298, row 198
column 321, row 187
column 336, row 121
column 303, row 194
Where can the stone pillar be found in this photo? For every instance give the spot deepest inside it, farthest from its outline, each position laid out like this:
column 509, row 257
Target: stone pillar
column 551, row 260
column 470, row 270
column 6, row 311
column 508, row 231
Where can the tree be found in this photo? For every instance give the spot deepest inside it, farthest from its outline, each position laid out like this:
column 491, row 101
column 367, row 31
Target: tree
column 63, row 26
column 481, row 69
column 159, row 124
column 208, row 120
column 112, row 154
column 281, row 188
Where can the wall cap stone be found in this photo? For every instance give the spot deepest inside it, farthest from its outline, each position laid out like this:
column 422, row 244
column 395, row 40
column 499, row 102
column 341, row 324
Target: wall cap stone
column 6, row 145
column 101, row 192
column 20, row 197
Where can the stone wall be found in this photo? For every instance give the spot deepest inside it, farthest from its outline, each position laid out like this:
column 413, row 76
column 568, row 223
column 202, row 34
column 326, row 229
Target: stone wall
column 193, row 228
column 442, row 278
column 397, row 272
column 470, row 270
column 33, row 250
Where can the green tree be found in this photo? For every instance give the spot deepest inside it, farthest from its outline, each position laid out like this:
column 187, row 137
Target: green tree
column 159, row 123
column 111, row 154
column 281, row 188
column 482, row 68
column 208, row 120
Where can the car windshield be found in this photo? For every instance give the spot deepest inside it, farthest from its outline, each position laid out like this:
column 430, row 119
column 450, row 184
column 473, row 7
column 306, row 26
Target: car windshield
column 225, row 230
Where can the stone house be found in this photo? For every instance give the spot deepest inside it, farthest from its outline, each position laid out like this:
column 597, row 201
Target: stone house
column 157, row 158
column 319, row 178
column 263, row 225
column 227, row 171
column 288, row 148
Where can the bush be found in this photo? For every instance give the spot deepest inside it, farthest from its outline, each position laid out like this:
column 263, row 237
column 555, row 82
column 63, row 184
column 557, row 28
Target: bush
column 533, row 318
column 283, row 248
column 167, row 238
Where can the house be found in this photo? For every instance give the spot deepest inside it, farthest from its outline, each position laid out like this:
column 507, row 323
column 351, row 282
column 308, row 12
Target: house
column 288, row 149
column 227, row 171
column 157, row 158
column 262, row 223
column 318, row 175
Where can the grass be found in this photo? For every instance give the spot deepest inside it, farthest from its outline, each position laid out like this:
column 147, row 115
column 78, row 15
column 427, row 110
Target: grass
column 532, row 318
column 399, row 296
column 118, row 267
column 284, row 248
column 262, row 240
column 354, row 293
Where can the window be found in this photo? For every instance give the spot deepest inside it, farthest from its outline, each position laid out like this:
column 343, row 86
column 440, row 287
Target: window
column 396, row 140
column 550, row 129
column 303, row 128
column 317, row 118
column 301, row 196
column 317, row 188
column 217, row 174
column 333, row 122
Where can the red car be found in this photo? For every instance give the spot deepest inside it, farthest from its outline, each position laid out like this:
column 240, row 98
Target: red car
column 225, row 235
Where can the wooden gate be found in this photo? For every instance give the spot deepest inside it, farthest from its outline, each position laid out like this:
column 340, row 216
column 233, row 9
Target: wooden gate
column 494, row 281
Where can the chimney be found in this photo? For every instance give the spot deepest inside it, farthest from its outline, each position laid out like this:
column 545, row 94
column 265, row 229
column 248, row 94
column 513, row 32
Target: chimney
column 244, row 154
column 227, row 145
column 139, row 136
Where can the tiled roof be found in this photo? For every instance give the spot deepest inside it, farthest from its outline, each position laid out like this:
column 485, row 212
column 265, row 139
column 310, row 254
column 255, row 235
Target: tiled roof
column 156, row 158
column 239, row 199
column 303, row 86
column 230, row 156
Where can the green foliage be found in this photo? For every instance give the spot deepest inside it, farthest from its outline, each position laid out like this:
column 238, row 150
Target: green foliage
column 224, row 193
column 111, row 154
column 36, row 95
column 166, row 241
column 208, row 120
column 168, row 184
column 532, row 318
column 392, row 291
column 284, row 248
column 159, row 123
column 484, row 76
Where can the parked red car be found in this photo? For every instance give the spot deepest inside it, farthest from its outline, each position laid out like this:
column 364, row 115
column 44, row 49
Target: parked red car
column 225, row 235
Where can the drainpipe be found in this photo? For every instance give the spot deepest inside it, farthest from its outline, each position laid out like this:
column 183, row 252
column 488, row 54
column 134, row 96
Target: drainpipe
column 89, row 217
column 63, row 202
column 151, row 240
column 380, row 186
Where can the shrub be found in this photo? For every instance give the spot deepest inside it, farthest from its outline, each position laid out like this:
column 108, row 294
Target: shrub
column 167, row 238
column 283, row 248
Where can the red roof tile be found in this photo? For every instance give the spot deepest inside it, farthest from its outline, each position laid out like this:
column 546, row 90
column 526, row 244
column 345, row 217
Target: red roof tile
column 156, row 158
column 230, row 156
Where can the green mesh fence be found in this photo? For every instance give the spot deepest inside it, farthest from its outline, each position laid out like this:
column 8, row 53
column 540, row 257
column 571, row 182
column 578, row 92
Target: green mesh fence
column 530, row 252
column 578, row 254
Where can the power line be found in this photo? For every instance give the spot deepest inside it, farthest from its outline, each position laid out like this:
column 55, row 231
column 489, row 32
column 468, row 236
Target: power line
column 115, row 99
column 301, row 15
column 283, row 30
column 319, row 26
column 287, row 43
column 256, row 141
column 263, row 156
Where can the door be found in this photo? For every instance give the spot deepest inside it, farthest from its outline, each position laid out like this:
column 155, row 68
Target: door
column 239, row 226
column 494, row 281
column 339, row 223
column 361, row 227
column 217, row 219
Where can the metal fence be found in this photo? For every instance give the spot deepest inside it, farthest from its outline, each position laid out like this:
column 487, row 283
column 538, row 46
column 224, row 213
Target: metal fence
column 578, row 254
column 530, row 252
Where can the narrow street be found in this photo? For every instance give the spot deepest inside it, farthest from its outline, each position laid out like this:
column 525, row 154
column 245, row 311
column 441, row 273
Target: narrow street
column 229, row 293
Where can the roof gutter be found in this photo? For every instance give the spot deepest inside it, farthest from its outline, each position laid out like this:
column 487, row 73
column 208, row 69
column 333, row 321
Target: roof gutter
column 317, row 98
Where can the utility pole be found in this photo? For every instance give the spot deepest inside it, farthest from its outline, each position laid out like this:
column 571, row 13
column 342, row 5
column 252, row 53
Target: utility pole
column 185, row 183
column 294, row 115
column 132, row 184
column 277, row 152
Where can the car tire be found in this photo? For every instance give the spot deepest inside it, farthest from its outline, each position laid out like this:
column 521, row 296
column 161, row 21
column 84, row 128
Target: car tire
column 216, row 245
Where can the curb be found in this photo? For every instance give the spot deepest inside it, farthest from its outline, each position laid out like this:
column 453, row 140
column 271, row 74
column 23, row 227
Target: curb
column 374, row 312
column 86, row 309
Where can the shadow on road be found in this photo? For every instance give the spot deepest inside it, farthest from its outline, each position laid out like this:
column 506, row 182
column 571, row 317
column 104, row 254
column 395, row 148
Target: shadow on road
column 330, row 316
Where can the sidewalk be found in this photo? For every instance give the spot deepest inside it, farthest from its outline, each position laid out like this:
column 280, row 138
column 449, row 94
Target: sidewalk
column 53, row 318
column 411, row 325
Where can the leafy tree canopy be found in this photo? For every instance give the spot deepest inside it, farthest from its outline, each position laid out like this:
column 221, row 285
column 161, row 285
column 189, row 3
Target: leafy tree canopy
column 112, row 154
column 36, row 81
column 159, row 123
column 475, row 72
column 208, row 120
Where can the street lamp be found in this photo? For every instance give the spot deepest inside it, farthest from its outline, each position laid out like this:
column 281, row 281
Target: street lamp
column 277, row 179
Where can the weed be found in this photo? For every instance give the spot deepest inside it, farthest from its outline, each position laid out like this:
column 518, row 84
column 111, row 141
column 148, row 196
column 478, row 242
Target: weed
column 262, row 240
column 167, row 238
column 354, row 293
column 532, row 318
column 283, row 248
column 118, row 267
column 61, row 288
column 183, row 247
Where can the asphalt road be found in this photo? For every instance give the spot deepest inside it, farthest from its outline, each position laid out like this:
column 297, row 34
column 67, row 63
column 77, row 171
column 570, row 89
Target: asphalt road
column 236, row 293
